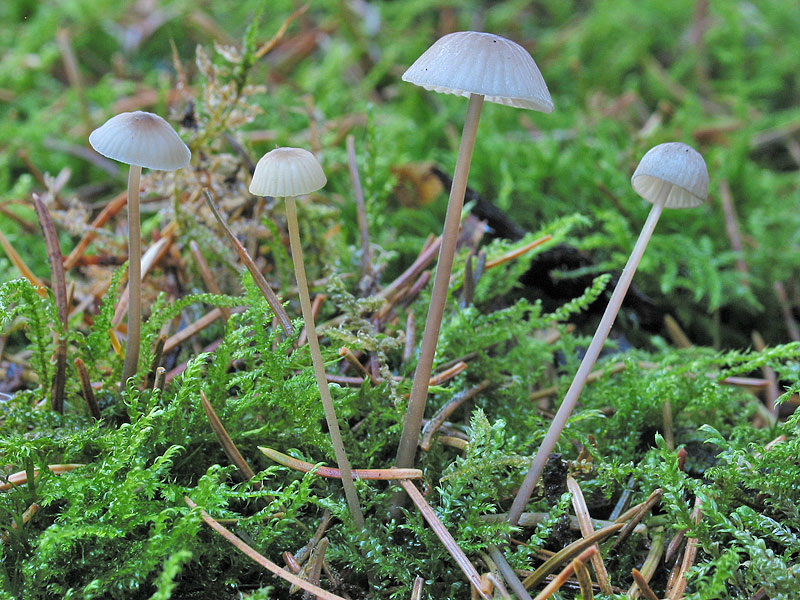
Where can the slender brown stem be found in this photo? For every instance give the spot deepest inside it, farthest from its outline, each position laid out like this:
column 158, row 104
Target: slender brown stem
column 319, row 366
column 419, row 389
column 571, row 398
column 134, row 277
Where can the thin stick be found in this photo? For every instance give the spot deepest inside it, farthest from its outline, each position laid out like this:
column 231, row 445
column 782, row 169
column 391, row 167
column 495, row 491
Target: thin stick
column 589, row 359
column 207, row 275
column 86, row 389
column 258, row 277
column 644, row 585
column 447, row 375
column 496, row 262
column 436, row 421
column 192, row 329
column 158, row 354
column 411, row 335
column 60, row 295
column 134, row 277
column 419, row 389
column 592, row 377
column 351, row 358
column 416, row 591
column 732, row 228
column 231, row 451
column 688, row 555
column 21, row 477
column 632, row 523
column 569, row 552
column 769, row 374
column 315, row 306
column 441, row 532
column 585, row 523
column 361, row 208
column 149, row 259
column 260, row 559
column 370, row 474
column 584, row 578
column 786, row 309
column 651, row 561
column 552, row 587
column 111, row 209
column 319, row 366
column 508, row 573
column 17, row 261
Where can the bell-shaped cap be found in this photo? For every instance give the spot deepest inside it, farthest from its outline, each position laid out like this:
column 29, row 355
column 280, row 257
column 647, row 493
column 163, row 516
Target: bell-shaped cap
column 142, row 139
column 471, row 62
column 674, row 174
column 287, row 172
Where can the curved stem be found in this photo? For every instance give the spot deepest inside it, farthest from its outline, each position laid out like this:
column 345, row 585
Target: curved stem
column 419, row 388
column 571, row 398
column 319, row 366
column 134, row 277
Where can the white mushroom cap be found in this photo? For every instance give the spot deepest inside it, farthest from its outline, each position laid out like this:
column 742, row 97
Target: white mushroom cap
column 471, row 62
column 142, row 139
column 677, row 166
column 287, row 172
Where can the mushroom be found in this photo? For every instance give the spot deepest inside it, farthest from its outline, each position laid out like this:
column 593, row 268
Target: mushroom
column 139, row 139
column 481, row 67
column 291, row 172
column 671, row 175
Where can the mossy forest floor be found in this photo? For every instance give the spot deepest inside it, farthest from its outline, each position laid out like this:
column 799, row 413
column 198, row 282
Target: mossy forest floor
column 682, row 409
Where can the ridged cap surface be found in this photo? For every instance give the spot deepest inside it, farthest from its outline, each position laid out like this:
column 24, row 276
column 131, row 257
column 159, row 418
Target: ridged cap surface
column 287, row 172
column 471, row 62
column 677, row 166
column 143, row 139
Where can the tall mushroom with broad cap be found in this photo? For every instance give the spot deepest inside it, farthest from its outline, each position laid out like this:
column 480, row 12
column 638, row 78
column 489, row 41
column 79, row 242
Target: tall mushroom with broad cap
column 291, row 172
column 139, row 139
column 479, row 66
column 671, row 175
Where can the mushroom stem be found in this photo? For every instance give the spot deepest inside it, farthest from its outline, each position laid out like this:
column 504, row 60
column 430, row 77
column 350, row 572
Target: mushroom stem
column 419, row 388
column 571, row 398
column 134, row 277
column 319, row 367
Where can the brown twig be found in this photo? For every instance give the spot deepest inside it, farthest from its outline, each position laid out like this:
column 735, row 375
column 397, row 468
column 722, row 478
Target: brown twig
column 351, row 358
column 651, row 562
column 786, row 309
column 644, row 586
column 21, row 477
column 688, row 555
column 508, row 573
column 361, row 208
column 565, row 574
column 333, row 473
column 416, row 591
column 441, row 532
column 676, row 334
column 769, row 374
column 496, row 262
column 27, row 515
column 17, row 261
column 644, row 508
column 207, row 275
column 411, row 335
column 60, row 295
column 192, row 329
column 569, row 552
column 584, row 578
column 258, row 278
column 441, row 415
column 270, row 45
column 585, row 523
column 260, row 559
column 732, row 229
column 231, row 451
column 86, row 389
column 315, row 306
column 447, row 375
column 110, row 210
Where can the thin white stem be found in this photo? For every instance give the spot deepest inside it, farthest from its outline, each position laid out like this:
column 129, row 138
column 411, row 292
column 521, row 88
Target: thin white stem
column 319, row 366
column 589, row 359
column 134, row 277
column 419, row 388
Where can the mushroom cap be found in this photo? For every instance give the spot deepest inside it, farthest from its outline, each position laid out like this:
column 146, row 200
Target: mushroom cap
column 471, row 62
column 287, row 172
column 142, row 139
column 679, row 167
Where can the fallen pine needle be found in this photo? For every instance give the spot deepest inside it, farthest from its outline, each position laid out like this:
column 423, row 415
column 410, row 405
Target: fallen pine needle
column 441, row 532
column 231, row 451
column 260, row 559
column 565, row 574
column 21, row 477
column 333, row 473
column 490, row 264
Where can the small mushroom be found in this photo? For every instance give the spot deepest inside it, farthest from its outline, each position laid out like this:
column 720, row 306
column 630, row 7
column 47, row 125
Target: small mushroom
column 671, row 175
column 139, row 139
column 291, row 172
column 479, row 66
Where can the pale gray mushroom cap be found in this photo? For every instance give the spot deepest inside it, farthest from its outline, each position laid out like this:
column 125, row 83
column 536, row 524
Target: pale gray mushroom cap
column 674, row 170
column 142, row 139
column 287, row 172
column 471, row 62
